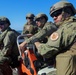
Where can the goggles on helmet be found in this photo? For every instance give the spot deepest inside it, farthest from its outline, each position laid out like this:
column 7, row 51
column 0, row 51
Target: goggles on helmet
column 56, row 13
column 2, row 23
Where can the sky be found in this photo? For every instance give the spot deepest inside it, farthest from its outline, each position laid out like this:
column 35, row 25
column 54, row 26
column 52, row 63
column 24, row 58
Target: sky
column 16, row 10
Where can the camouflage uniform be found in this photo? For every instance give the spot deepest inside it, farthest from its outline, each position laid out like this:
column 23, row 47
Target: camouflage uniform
column 30, row 28
column 8, row 49
column 62, row 44
column 43, row 31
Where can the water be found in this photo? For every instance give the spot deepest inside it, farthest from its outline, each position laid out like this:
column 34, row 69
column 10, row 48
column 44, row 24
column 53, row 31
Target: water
column 20, row 31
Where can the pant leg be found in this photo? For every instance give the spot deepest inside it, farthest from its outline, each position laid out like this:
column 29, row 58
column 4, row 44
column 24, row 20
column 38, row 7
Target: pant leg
column 65, row 63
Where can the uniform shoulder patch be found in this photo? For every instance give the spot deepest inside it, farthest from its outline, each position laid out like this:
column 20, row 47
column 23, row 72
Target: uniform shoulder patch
column 54, row 36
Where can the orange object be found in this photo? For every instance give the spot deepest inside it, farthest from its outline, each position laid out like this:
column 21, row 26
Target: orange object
column 28, row 60
column 30, row 68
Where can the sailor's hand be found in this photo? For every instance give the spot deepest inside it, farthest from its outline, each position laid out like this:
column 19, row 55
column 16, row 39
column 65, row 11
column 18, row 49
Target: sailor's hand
column 37, row 44
column 22, row 46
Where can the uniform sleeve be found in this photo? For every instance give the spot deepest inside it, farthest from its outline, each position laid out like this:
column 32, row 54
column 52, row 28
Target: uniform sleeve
column 46, row 31
column 24, row 29
column 52, row 47
column 9, row 40
column 59, row 41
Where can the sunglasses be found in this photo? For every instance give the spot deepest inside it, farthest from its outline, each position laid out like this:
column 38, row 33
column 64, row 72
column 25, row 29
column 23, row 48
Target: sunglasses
column 56, row 13
column 39, row 19
column 2, row 23
column 29, row 18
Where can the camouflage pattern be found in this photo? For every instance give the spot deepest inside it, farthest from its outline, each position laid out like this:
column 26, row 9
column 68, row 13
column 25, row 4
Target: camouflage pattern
column 9, row 51
column 43, row 23
column 62, row 4
column 30, row 28
column 41, row 15
column 44, row 32
column 4, row 19
column 30, row 15
column 61, row 41
column 33, row 29
column 69, row 64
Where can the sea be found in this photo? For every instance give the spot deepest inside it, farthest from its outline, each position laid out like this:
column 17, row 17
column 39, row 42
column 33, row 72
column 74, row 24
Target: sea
column 20, row 31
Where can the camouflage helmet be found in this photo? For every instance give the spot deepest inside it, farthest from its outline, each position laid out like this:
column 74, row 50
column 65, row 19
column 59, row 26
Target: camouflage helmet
column 30, row 15
column 60, row 5
column 41, row 15
column 4, row 19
